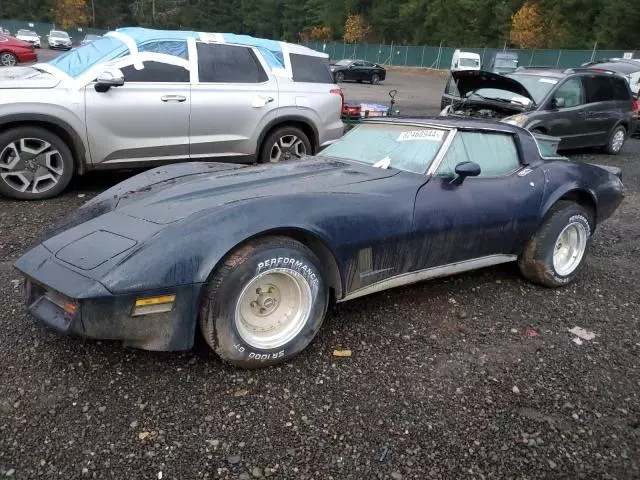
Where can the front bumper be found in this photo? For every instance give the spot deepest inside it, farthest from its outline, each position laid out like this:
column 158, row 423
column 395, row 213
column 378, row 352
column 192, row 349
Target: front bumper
column 76, row 305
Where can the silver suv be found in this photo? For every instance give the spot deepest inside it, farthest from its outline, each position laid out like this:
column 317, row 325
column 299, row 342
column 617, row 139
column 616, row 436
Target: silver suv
column 139, row 98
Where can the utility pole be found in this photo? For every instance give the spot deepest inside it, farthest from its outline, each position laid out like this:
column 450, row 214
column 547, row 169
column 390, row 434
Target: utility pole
column 93, row 13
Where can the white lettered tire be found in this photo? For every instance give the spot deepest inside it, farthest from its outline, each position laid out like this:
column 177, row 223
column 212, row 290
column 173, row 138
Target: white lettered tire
column 555, row 255
column 265, row 303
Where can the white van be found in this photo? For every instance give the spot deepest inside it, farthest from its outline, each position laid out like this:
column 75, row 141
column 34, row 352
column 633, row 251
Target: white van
column 464, row 61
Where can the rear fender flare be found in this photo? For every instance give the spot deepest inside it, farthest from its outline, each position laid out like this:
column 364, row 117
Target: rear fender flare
column 571, row 190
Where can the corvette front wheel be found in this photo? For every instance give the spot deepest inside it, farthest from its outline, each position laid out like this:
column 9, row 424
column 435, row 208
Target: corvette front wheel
column 265, row 304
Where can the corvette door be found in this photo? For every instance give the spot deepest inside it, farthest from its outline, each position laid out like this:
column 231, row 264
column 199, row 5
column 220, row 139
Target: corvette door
column 480, row 217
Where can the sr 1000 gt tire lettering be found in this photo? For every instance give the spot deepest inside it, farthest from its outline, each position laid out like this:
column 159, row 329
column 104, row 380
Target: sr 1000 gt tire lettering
column 265, row 304
column 555, row 254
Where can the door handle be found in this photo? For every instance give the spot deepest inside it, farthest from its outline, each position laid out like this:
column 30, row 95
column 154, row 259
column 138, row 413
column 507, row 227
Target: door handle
column 261, row 101
column 173, row 98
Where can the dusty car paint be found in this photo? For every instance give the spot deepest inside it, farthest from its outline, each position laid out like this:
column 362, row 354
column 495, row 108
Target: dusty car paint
column 164, row 231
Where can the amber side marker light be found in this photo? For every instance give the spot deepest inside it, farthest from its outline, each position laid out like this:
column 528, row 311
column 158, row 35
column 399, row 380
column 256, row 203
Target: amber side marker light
column 147, row 306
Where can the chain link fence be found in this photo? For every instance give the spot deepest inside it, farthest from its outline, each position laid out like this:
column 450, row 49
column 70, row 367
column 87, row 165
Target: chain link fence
column 440, row 57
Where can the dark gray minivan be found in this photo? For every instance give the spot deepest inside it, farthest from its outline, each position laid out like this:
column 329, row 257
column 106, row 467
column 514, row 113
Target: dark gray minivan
column 584, row 107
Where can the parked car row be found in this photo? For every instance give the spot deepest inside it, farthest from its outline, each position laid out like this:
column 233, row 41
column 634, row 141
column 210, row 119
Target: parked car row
column 56, row 39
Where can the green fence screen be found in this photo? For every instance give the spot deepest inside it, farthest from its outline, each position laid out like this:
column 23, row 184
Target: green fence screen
column 440, row 57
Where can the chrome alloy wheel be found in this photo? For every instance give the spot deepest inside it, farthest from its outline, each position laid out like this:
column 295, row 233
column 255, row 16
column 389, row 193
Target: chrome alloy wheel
column 8, row 59
column 569, row 249
column 618, row 140
column 286, row 148
column 31, row 165
column 273, row 308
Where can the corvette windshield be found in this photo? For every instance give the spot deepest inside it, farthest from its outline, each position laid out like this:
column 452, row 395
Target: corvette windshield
column 405, row 147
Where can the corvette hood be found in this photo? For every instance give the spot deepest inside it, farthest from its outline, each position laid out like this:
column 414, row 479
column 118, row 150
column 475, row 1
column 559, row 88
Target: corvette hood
column 168, row 194
column 26, row 77
column 472, row 80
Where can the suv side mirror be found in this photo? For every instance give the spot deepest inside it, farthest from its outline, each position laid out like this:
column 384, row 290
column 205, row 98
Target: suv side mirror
column 467, row 169
column 557, row 103
column 112, row 77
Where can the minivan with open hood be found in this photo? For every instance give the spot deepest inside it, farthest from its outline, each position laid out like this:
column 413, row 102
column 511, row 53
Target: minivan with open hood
column 583, row 107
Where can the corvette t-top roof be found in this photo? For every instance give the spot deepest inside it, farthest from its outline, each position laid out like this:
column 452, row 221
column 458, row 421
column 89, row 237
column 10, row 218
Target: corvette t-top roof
column 131, row 40
column 449, row 122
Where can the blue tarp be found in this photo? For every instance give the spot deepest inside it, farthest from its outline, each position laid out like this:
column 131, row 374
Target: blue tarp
column 170, row 42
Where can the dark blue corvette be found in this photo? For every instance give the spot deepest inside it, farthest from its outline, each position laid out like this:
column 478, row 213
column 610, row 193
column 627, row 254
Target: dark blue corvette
column 254, row 254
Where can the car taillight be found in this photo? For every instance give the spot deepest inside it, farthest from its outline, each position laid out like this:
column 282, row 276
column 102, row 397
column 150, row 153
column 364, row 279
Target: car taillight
column 636, row 107
column 338, row 91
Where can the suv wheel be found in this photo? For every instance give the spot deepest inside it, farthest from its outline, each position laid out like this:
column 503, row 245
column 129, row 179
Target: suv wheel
column 375, row 79
column 286, row 143
column 8, row 59
column 339, row 77
column 34, row 164
column 616, row 140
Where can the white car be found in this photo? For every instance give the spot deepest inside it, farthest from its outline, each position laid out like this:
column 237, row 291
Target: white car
column 464, row 61
column 59, row 39
column 29, row 36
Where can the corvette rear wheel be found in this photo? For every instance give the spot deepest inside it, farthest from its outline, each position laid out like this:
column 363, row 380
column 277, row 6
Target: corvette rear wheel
column 34, row 164
column 265, row 304
column 555, row 254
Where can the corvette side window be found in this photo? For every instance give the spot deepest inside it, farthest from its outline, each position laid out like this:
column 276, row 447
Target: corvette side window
column 496, row 153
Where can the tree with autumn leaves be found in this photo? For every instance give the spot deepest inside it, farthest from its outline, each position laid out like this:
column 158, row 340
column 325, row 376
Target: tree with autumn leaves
column 71, row 13
column 530, row 29
column 452, row 23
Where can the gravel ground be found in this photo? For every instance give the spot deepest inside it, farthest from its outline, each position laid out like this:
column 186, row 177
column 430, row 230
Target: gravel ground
column 446, row 380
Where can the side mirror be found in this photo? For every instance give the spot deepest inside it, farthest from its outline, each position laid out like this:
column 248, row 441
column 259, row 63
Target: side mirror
column 467, row 169
column 112, row 77
column 557, row 103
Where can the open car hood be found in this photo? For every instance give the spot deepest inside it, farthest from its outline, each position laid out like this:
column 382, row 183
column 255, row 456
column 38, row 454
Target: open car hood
column 472, row 80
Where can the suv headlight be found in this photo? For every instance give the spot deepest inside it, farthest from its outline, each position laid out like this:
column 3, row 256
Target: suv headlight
column 518, row 120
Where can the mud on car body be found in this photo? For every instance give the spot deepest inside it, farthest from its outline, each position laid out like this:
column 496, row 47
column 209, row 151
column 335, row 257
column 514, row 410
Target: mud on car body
column 253, row 255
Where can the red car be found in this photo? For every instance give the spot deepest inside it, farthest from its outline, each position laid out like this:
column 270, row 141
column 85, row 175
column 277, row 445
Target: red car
column 14, row 51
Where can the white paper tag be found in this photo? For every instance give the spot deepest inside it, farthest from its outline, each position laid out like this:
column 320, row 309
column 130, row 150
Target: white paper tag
column 426, row 134
column 548, row 80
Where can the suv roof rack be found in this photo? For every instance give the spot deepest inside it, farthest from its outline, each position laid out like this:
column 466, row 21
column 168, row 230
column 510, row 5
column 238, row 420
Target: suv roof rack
column 590, row 69
column 534, row 67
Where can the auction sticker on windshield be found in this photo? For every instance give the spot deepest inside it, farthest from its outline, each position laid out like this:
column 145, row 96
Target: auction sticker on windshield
column 426, row 134
column 548, row 80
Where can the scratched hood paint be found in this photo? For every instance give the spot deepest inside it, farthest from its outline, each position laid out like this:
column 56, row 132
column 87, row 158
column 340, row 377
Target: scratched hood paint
column 169, row 194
